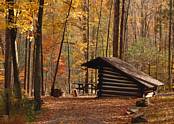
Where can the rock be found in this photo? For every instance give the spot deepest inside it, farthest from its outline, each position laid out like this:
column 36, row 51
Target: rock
column 142, row 103
column 133, row 110
column 57, row 93
column 139, row 119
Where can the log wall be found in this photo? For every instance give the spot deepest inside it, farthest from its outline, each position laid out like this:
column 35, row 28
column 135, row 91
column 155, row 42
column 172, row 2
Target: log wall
column 113, row 82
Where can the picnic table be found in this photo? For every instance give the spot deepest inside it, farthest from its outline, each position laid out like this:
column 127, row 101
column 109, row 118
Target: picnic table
column 86, row 88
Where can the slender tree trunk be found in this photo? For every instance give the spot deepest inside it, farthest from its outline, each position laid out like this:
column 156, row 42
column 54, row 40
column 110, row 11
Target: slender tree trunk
column 17, row 85
column 170, row 45
column 8, row 61
column 160, row 30
column 42, row 81
column 142, row 20
column 38, row 75
column 25, row 72
column 69, row 68
column 61, row 45
column 108, row 31
column 87, row 52
column 102, row 45
column 28, row 76
column 126, row 28
column 98, row 29
column 116, row 27
column 7, row 72
column 13, row 33
column 33, row 65
column 122, row 30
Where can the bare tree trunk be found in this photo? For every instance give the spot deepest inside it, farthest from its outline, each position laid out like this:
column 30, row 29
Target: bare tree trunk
column 7, row 72
column 42, row 81
column 122, row 30
column 37, row 63
column 98, row 29
column 116, row 27
column 160, row 30
column 108, row 31
column 33, row 65
column 69, row 68
column 126, row 27
column 17, row 85
column 142, row 20
column 12, row 35
column 28, row 76
column 25, row 72
column 170, row 45
column 8, row 60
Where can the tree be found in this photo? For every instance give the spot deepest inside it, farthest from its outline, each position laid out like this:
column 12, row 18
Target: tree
column 108, row 26
column 11, row 32
column 170, row 45
column 17, row 85
column 61, row 45
column 8, row 56
column 37, row 62
column 122, row 30
column 116, row 27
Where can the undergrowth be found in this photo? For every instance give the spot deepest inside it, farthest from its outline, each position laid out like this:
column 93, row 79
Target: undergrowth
column 20, row 111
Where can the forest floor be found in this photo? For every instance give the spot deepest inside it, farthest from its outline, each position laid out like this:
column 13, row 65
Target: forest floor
column 161, row 110
column 85, row 111
column 104, row 111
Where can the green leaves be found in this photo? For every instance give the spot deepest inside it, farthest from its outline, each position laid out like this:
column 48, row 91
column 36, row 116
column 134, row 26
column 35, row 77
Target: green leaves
column 142, row 50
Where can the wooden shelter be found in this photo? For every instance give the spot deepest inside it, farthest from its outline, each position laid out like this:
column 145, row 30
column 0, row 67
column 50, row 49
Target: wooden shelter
column 118, row 78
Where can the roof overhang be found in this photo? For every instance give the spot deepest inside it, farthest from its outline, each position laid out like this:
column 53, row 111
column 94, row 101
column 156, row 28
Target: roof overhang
column 124, row 67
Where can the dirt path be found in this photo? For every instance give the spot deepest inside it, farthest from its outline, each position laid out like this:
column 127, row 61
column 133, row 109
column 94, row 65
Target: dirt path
column 85, row 111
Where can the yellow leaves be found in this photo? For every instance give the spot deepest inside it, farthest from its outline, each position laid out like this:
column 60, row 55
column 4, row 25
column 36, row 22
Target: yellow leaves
column 77, row 3
column 1, row 57
column 77, row 14
column 78, row 53
column 23, row 10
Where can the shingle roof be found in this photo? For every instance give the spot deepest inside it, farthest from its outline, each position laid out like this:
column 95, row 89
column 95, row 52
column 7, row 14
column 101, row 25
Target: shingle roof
column 125, row 68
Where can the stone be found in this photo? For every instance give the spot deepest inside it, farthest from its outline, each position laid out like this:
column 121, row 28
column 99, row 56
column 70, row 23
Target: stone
column 139, row 119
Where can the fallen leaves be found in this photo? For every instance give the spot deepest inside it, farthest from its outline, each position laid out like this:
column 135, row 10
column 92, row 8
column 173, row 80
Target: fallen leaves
column 85, row 110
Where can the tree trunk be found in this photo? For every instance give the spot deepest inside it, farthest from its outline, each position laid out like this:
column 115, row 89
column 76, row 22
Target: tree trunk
column 25, row 72
column 17, row 85
column 8, row 60
column 98, row 29
column 108, row 31
column 28, row 76
column 126, row 28
column 69, row 68
column 33, row 68
column 37, row 63
column 122, row 30
column 7, row 72
column 116, row 27
column 42, row 81
column 170, row 46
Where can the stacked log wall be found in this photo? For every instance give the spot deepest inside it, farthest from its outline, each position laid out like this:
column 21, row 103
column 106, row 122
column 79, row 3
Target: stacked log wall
column 113, row 82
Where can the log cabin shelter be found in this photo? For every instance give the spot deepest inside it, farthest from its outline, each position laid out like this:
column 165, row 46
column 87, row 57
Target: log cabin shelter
column 119, row 78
